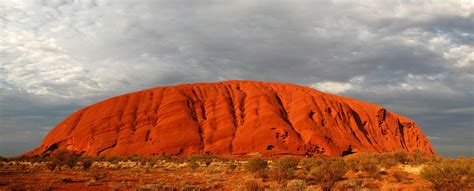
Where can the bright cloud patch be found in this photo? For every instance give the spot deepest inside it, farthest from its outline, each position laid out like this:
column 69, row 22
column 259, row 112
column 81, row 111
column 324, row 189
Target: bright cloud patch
column 332, row 87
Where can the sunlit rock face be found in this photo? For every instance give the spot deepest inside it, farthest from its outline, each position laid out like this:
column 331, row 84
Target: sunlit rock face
column 233, row 118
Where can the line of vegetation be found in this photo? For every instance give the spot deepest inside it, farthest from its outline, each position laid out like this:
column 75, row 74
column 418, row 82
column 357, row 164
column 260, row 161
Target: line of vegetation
column 293, row 172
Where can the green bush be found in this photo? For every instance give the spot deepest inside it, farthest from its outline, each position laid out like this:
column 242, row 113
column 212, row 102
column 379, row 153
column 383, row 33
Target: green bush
column 329, row 172
column 450, row 174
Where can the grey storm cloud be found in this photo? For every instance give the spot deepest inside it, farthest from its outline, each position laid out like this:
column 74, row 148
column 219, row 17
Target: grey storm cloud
column 413, row 57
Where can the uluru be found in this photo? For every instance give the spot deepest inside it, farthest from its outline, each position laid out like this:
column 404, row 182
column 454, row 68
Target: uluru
column 233, row 118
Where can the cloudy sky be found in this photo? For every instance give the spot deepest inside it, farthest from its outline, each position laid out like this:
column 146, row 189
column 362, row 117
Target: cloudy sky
column 413, row 57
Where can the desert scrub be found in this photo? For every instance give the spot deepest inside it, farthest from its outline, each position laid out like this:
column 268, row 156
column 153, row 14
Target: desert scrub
column 98, row 175
column 231, row 166
column 296, row 185
column 364, row 162
column 329, row 172
column 257, row 166
column 401, row 156
column 400, row 175
column 308, row 163
column 193, row 164
column 207, row 160
column 450, row 174
column 253, row 185
column 417, row 157
column 284, row 168
column 387, row 160
column 87, row 163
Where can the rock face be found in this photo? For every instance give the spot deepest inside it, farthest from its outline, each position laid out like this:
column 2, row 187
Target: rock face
column 233, row 118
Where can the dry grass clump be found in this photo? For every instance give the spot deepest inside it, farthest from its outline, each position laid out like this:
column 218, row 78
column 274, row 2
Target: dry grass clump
column 329, row 172
column 450, row 174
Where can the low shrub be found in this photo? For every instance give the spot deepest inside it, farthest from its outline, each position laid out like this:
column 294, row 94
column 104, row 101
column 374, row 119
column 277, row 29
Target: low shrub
column 401, row 156
column 256, row 166
column 117, row 159
column 71, row 160
column 65, row 180
column 193, row 164
column 308, row 163
column 329, row 172
column 87, row 163
column 98, row 175
column 387, row 160
column 207, row 160
column 417, row 157
column 400, row 175
column 52, row 165
column 365, row 162
column 450, row 174
column 231, row 166
column 285, row 168
column 296, row 185
column 253, row 185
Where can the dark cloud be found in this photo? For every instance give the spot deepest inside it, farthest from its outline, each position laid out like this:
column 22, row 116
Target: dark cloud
column 415, row 58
